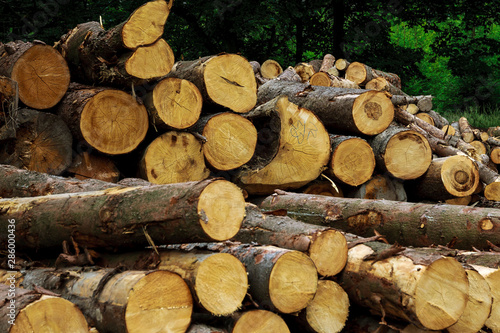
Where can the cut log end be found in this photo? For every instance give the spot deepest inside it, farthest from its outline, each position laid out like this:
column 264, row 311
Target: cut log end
column 230, row 82
column 293, row 282
column 42, row 75
column 260, row 321
column 221, row 284
column 357, row 73
column 231, row 141
column 329, row 252
column 221, row 208
column 320, row 79
column 158, row 301
column 270, row 69
column 434, row 310
column 492, row 191
column 113, row 122
column 425, row 117
column 353, row 161
column 495, row 155
column 373, row 112
column 151, row 61
column 460, row 175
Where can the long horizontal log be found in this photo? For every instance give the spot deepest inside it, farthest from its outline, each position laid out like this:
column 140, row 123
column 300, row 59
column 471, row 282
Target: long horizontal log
column 409, row 224
column 120, row 218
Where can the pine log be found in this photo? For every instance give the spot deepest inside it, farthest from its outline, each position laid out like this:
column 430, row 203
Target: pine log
column 173, row 157
column 382, row 84
column 120, row 218
column 24, row 310
column 304, row 70
column 465, row 130
column 406, row 283
column 342, row 64
column 325, row 246
column 226, row 80
column 328, row 80
column 361, row 74
column 294, row 148
column 352, row 161
column 423, row 103
column 93, row 166
column 42, row 143
column 116, row 302
column 381, row 187
column 340, row 110
column 111, row 121
column 270, row 69
column 231, row 140
column 174, row 104
column 439, row 120
column 403, row 153
column 40, row 71
column 495, row 155
column 409, row 224
column 289, row 74
column 425, row 117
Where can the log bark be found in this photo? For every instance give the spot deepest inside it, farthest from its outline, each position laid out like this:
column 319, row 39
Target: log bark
column 353, row 111
column 326, row 79
column 24, row 310
column 327, row 63
column 93, row 166
column 42, row 143
column 325, row 246
column 381, row 187
column 439, row 120
column 403, row 153
column 40, row 71
column 110, row 120
column 289, row 74
column 304, row 70
column 270, row 69
column 361, row 74
column 174, row 104
column 465, row 130
column 226, row 80
column 293, row 148
column 173, row 157
column 409, row 224
column 114, row 301
column 423, row 103
column 204, row 211
column 382, row 84
column 352, row 160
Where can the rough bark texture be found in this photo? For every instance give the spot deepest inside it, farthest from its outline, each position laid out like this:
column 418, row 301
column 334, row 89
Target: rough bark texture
column 423, row 103
column 465, row 130
column 208, row 210
column 409, row 224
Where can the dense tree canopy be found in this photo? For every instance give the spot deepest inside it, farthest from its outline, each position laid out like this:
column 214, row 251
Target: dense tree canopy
column 450, row 50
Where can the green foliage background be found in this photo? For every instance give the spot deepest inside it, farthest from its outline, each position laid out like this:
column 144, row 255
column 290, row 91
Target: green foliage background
column 449, row 50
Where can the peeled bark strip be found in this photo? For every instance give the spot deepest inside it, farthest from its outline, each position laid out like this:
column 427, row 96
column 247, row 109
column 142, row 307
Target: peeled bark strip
column 409, row 285
column 382, row 84
column 354, row 111
column 352, row 161
column 117, row 218
column 226, row 80
column 173, row 157
column 325, row 246
column 231, row 140
column 297, row 156
column 112, row 121
column 114, row 302
column 447, row 177
column 465, row 130
column 381, row 187
column 40, row 71
column 34, row 312
column 93, row 166
column 270, row 69
column 174, row 103
column 328, row 80
column 42, row 143
column 361, row 74
column 403, row 153
column 409, row 224
column 424, row 103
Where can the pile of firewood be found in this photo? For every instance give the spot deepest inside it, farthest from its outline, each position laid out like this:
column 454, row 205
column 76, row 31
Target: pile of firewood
column 140, row 194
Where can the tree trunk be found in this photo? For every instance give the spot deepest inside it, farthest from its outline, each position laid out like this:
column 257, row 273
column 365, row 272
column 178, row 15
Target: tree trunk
column 407, row 284
column 42, row 143
column 352, row 161
column 361, row 74
column 23, row 310
column 423, row 103
column 112, row 121
column 173, row 157
column 325, row 79
column 465, row 130
column 409, row 224
column 174, row 104
column 270, row 69
column 293, row 150
column 341, row 110
column 120, row 218
column 382, row 84
column 40, row 71
column 230, row 140
column 226, row 80
column 403, row 153
column 381, row 187
column 325, row 246
column 93, row 166
column 116, row 302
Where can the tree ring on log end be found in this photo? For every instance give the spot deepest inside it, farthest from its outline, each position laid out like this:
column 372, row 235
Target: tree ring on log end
column 334, row 243
column 372, row 112
column 460, row 175
column 221, row 207
column 353, row 161
column 256, row 321
column 151, row 61
column 439, row 303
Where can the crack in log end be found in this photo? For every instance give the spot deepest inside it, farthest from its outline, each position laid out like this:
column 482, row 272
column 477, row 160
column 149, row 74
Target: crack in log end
column 365, row 221
column 486, row 225
column 373, row 110
column 232, row 82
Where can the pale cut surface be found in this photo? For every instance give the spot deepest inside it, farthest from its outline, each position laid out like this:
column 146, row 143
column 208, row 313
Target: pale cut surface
column 113, row 122
column 270, row 69
column 479, row 146
column 219, row 203
column 50, row 314
column 372, row 112
column 495, row 155
column 42, row 76
column 425, row 117
column 320, row 79
column 231, row 141
column 492, row 191
column 260, row 321
column 460, row 175
column 151, row 61
column 230, row 82
column 492, row 276
column 293, row 282
column 329, row 252
column 353, row 161
column 356, row 72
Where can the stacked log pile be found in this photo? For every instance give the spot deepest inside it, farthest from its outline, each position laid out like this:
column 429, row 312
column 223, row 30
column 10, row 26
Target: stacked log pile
column 256, row 208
